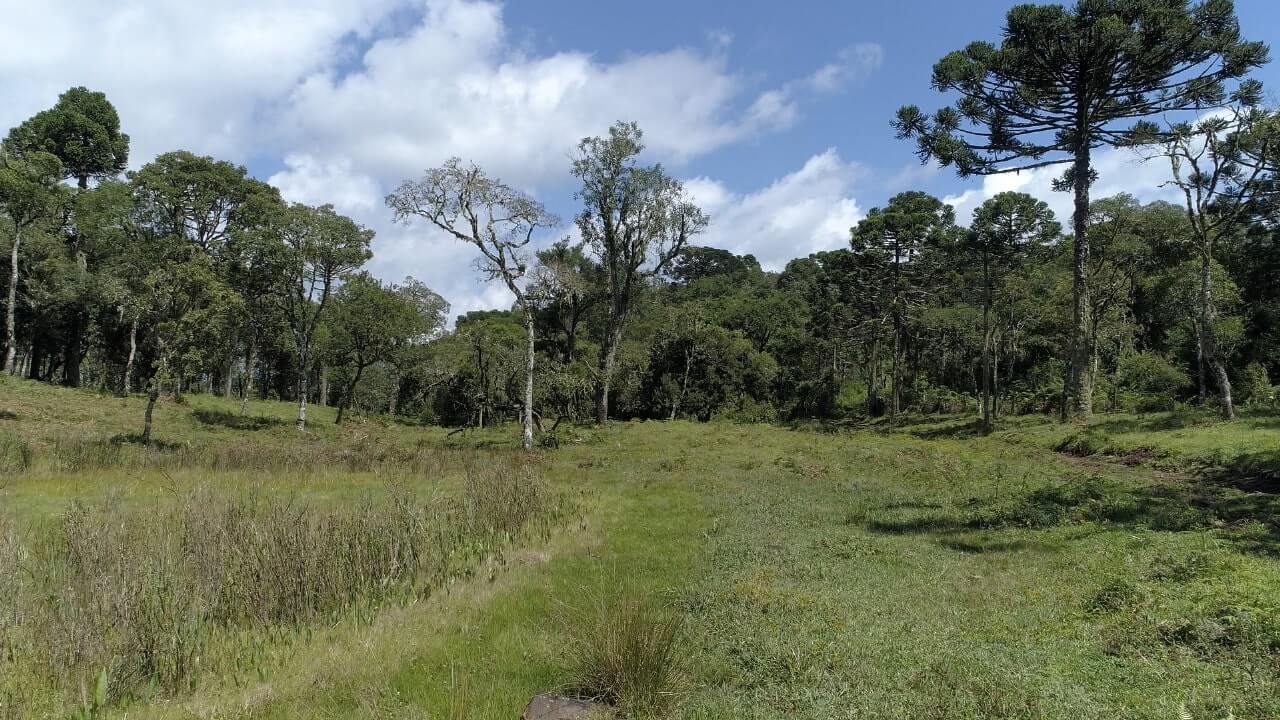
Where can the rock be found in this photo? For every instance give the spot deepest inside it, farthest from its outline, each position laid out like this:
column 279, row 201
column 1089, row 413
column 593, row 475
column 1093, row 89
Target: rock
column 549, row 706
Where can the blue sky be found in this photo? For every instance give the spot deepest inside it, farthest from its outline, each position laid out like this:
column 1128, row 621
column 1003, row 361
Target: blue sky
column 775, row 114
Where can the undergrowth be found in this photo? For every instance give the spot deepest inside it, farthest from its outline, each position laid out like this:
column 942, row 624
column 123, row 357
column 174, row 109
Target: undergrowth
column 117, row 603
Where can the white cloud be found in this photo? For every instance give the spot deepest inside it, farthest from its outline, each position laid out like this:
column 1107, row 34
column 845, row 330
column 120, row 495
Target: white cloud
column 183, row 75
column 315, row 182
column 803, row 212
column 454, row 85
column 852, row 65
column 1119, row 171
column 354, row 96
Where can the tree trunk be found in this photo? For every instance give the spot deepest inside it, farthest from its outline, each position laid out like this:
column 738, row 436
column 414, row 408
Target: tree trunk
column 302, row 393
column 133, row 353
column 349, row 395
column 153, row 394
column 72, row 352
column 986, row 344
column 526, row 438
column 895, row 399
column 995, row 380
column 1079, row 386
column 246, row 386
column 684, row 384
column 10, row 325
column 35, row 362
column 1202, row 374
column 226, row 380
column 608, row 356
column 1209, row 350
column 393, row 402
column 873, row 376
column 324, row 387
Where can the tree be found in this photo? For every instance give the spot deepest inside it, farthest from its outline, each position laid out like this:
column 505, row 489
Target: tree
column 1004, row 231
column 181, row 293
column 892, row 240
column 636, row 220
column 1218, row 164
column 566, row 285
column 82, row 130
column 433, row 311
column 499, row 221
column 211, row 204
column 29, row 193
column 369, row 323
column 320, row 246
column 1065, row 81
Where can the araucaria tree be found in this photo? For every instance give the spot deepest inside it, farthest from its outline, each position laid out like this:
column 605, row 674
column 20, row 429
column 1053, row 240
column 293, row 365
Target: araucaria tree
column 321, row 246
column 1065, row 81
column 1004, row 230
column 636, row 220
column 499, row 221
column 82, row 130
column 890, row 241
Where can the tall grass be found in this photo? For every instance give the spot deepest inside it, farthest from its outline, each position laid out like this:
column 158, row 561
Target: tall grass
column 80, row 452
column 141, row 602
column 625, row 650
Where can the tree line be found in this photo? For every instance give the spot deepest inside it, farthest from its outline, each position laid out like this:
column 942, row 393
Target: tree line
column 188, row 275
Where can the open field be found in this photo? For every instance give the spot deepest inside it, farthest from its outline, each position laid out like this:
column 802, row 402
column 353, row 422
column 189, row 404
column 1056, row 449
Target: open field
column 864, row 573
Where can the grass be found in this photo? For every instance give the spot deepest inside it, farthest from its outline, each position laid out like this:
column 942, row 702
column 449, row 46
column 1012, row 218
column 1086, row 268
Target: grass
column 1185, row 440
column 914, row 572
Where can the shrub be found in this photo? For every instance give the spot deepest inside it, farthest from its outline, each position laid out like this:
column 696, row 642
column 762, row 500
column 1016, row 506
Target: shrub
column 625, row 651
column 1255, row 387
column 1151, row 381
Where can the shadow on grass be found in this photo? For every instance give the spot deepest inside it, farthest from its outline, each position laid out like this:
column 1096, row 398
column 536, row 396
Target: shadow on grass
column 1239, row 502
column 8, row 415
column 231, row 420
column 136, row 439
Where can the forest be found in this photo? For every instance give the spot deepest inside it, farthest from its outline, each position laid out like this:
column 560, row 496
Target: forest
column 243, row 475
column 189, row 276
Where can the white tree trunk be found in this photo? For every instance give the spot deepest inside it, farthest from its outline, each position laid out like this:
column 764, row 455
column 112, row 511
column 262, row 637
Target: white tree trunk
column 10, row 327
column 133, row 353
column 527, row 431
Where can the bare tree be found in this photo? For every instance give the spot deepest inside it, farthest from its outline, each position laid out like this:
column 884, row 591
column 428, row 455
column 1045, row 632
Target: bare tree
column 499, row 221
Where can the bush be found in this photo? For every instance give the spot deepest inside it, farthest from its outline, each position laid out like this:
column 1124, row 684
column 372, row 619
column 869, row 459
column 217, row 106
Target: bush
column 1255, row 387
column 625, row 650
column 1150, row 381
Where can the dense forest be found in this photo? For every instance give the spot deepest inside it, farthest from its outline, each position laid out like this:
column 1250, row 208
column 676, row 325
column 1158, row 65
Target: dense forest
column 188, row 275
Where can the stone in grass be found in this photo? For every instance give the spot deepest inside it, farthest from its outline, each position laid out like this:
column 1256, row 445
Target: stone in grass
column 550, row 706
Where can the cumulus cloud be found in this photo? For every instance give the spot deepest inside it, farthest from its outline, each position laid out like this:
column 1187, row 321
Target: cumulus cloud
column 1119, row 171
column 803, row 212
column 350, row 97
column 197, row 76
column 314, row 181
column 455, row 86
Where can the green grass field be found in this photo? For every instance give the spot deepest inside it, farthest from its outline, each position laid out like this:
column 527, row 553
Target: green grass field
column 908, row 572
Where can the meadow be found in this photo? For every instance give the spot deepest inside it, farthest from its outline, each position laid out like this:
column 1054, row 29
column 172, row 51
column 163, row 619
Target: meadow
column 384, row 569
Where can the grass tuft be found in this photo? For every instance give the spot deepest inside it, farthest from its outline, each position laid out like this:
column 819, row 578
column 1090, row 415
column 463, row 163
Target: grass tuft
column 625, row 650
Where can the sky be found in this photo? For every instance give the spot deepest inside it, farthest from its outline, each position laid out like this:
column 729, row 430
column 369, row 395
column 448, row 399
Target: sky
column 775, row 115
